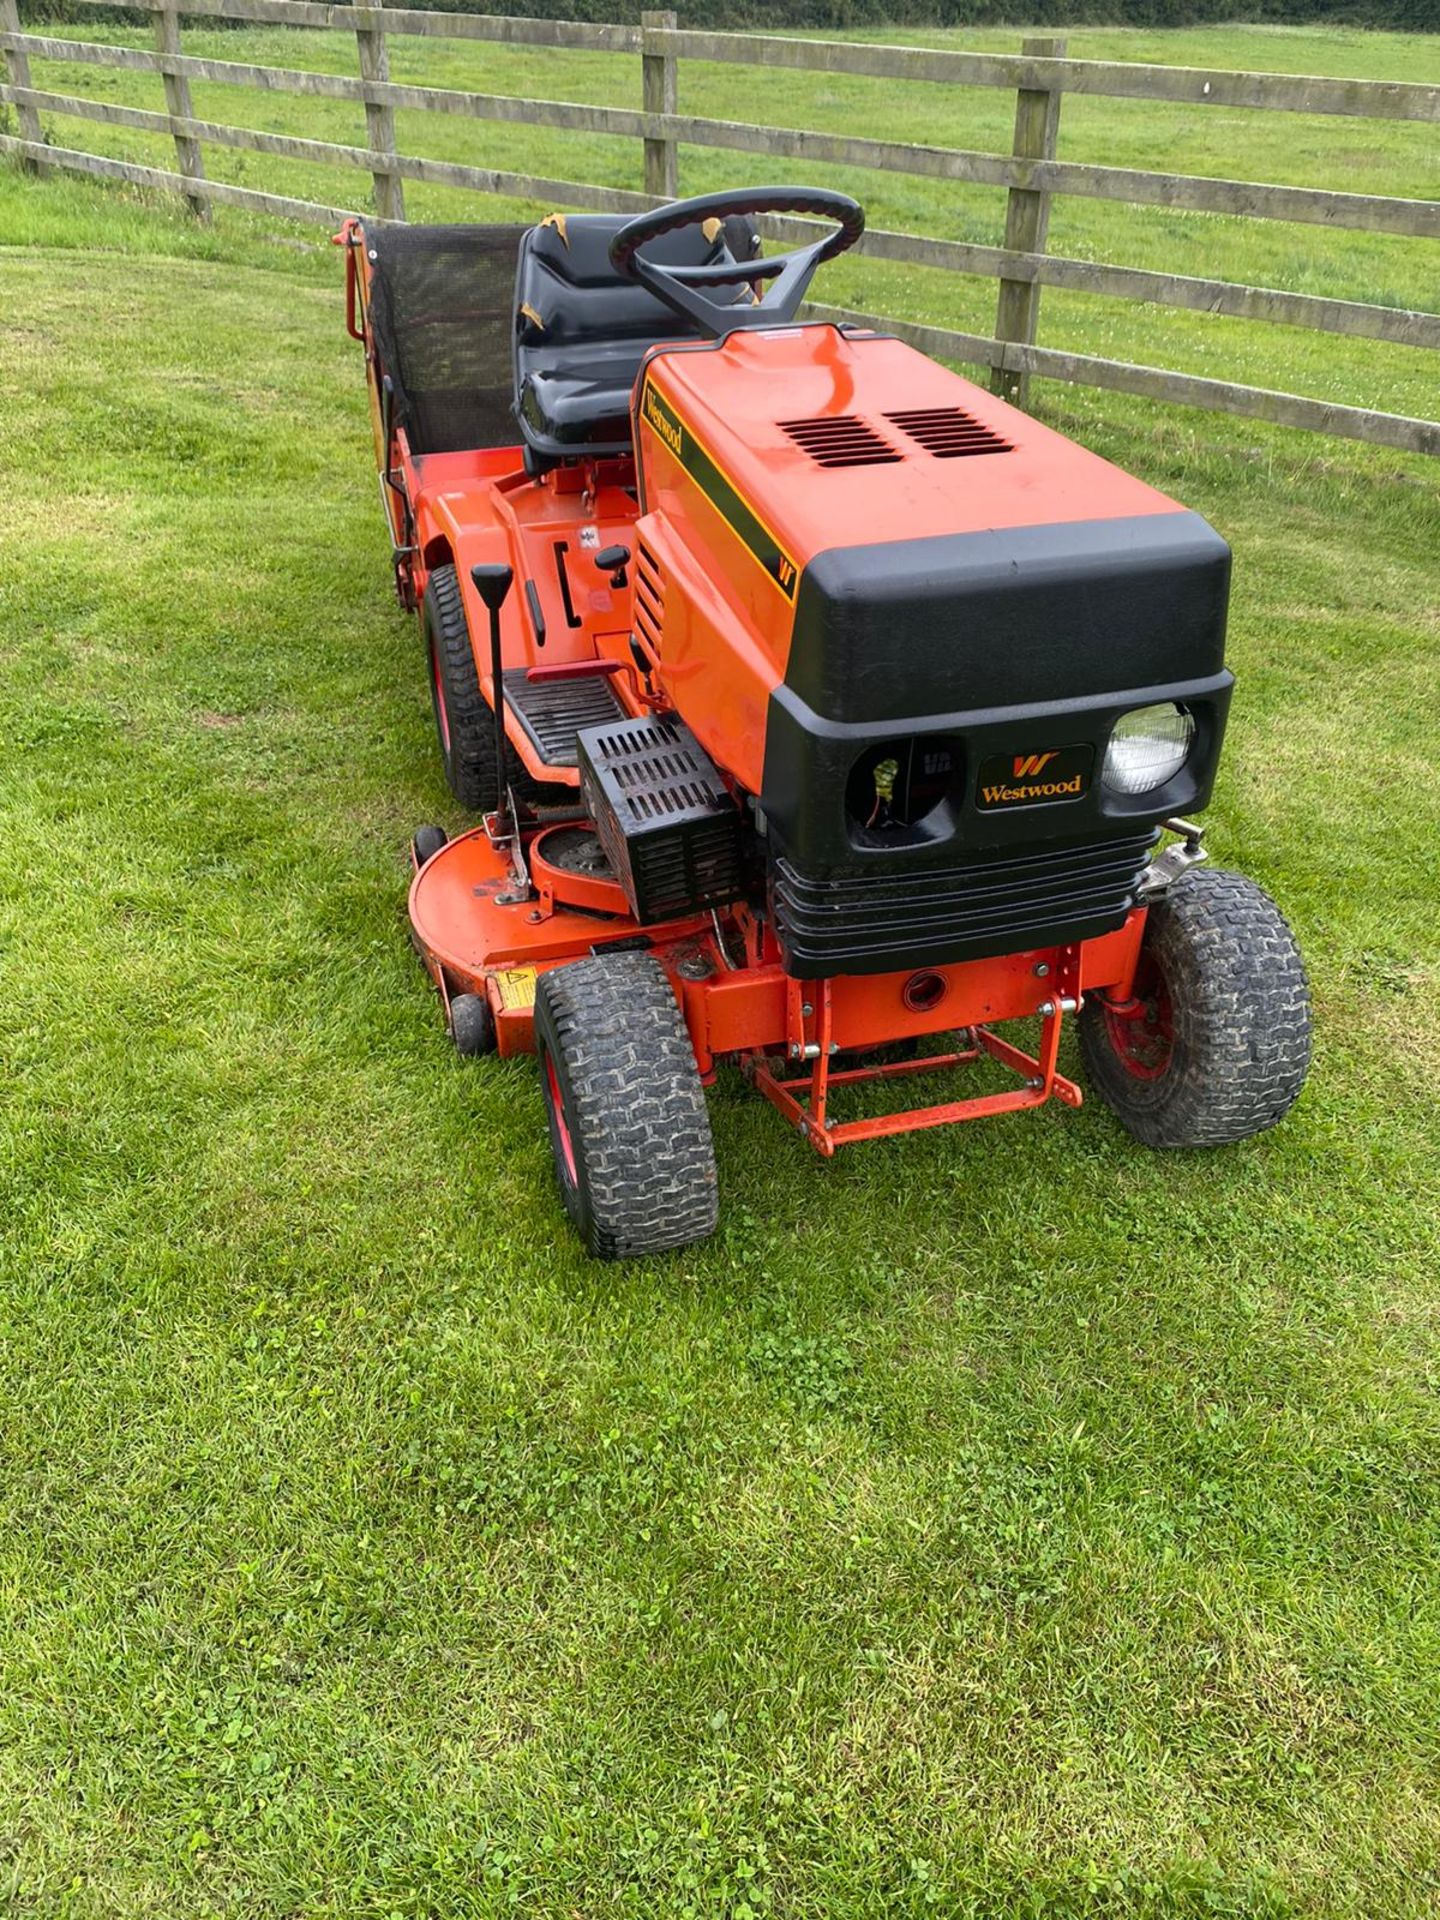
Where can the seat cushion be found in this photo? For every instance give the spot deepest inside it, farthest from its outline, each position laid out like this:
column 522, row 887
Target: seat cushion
column 586, row 401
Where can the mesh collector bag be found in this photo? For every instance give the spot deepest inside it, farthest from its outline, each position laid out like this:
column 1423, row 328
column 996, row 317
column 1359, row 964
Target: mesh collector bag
column 441, row 313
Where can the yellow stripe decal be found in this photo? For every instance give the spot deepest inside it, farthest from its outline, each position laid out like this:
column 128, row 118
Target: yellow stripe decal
column 719, row 489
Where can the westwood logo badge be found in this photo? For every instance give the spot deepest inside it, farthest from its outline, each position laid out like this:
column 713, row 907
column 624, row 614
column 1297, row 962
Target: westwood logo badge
column 1029, row 765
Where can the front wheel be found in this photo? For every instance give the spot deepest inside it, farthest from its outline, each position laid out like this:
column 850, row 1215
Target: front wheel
column 1215, row 1043
column 628, row 1124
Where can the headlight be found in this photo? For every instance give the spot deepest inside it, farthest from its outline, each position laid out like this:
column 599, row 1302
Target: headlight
column 1147, row 748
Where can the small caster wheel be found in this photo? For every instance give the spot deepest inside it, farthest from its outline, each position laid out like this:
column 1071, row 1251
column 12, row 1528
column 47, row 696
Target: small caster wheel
column 427, row 841
column 472, row 1025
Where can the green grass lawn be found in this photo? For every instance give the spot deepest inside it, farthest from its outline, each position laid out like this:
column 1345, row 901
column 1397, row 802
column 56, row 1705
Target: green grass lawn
column 998, row 1522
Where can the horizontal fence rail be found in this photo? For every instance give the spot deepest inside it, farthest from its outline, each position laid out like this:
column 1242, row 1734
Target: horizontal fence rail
column 1294, row 93
column 1040, row 76
column 1195, row 86
column 1374, row 213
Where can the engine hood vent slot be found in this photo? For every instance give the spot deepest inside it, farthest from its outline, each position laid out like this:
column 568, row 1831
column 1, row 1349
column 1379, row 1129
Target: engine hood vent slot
column 649, row 600
column 841, row 440
column 949, row 432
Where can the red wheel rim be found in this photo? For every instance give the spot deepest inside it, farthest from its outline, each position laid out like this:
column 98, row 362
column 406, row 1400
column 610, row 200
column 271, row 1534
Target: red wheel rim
column 557, row 1114
column 1142, row 1030
column 437, row 687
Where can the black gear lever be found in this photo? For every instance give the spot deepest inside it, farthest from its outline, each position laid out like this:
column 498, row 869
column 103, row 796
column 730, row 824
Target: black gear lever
column 492, row 584
column 614, row 560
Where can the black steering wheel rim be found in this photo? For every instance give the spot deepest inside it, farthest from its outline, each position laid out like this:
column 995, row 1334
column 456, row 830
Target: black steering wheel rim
column 683, row 288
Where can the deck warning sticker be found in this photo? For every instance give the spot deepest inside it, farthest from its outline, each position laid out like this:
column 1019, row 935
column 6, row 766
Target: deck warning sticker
column 516, row 987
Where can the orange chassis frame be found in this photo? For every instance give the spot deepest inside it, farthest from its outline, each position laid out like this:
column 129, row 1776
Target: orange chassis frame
column 479, row 932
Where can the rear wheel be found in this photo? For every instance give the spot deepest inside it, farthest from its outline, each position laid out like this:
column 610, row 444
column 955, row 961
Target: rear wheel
column 1215, row 1043
column 464, row 722
column 628, row 1124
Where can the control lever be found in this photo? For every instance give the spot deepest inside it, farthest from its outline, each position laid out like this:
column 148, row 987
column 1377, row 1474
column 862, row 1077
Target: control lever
column 614, row 560
column 493, row 584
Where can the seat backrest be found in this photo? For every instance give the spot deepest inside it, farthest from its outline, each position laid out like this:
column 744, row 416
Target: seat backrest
column 441, row 320
column 582, row 330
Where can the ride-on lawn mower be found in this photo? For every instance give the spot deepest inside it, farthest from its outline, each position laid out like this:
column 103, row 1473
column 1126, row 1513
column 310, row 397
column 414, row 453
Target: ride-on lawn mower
column 818, row 707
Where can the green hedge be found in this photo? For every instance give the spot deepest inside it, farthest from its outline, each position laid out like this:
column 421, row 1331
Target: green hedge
column 778, row 15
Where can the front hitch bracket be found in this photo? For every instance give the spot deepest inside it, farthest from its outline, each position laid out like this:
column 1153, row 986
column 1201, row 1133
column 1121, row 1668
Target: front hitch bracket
column 1184, row 852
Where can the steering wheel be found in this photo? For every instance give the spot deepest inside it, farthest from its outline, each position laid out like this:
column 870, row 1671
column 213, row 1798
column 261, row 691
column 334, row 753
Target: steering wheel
column 685, row 289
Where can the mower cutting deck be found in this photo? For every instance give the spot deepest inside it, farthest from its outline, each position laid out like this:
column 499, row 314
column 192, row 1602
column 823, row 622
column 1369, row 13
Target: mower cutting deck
column 814, row 704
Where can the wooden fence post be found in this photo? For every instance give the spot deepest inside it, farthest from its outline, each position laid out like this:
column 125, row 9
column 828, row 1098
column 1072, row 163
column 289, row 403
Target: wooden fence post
column 178, row 106
column 379, row 120
column 18, row 66
column 660, row 93
column 1027, row 220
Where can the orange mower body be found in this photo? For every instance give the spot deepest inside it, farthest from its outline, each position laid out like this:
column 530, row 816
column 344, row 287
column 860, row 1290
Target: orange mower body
column 814, row 706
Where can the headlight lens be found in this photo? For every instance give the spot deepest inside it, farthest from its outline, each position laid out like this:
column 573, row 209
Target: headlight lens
column 1147, row 748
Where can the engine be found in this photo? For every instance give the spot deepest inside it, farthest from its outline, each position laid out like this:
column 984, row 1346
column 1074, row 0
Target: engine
column 961, row 667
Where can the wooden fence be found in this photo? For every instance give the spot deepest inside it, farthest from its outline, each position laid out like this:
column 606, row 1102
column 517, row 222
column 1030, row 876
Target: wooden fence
column 1040, row 76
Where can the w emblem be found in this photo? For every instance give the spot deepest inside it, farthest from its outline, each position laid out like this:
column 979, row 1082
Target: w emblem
column 1028, row 765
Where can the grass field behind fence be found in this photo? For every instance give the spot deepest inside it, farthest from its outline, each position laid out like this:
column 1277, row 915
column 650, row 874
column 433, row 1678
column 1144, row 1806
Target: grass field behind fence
column 1364, row 156
column 997, row 1522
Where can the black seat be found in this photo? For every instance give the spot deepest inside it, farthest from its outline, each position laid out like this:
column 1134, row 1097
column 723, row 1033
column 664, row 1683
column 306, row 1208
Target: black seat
column 581, row 330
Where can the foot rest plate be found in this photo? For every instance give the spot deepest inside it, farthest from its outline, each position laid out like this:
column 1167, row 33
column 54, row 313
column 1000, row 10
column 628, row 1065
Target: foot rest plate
column 552, row 712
